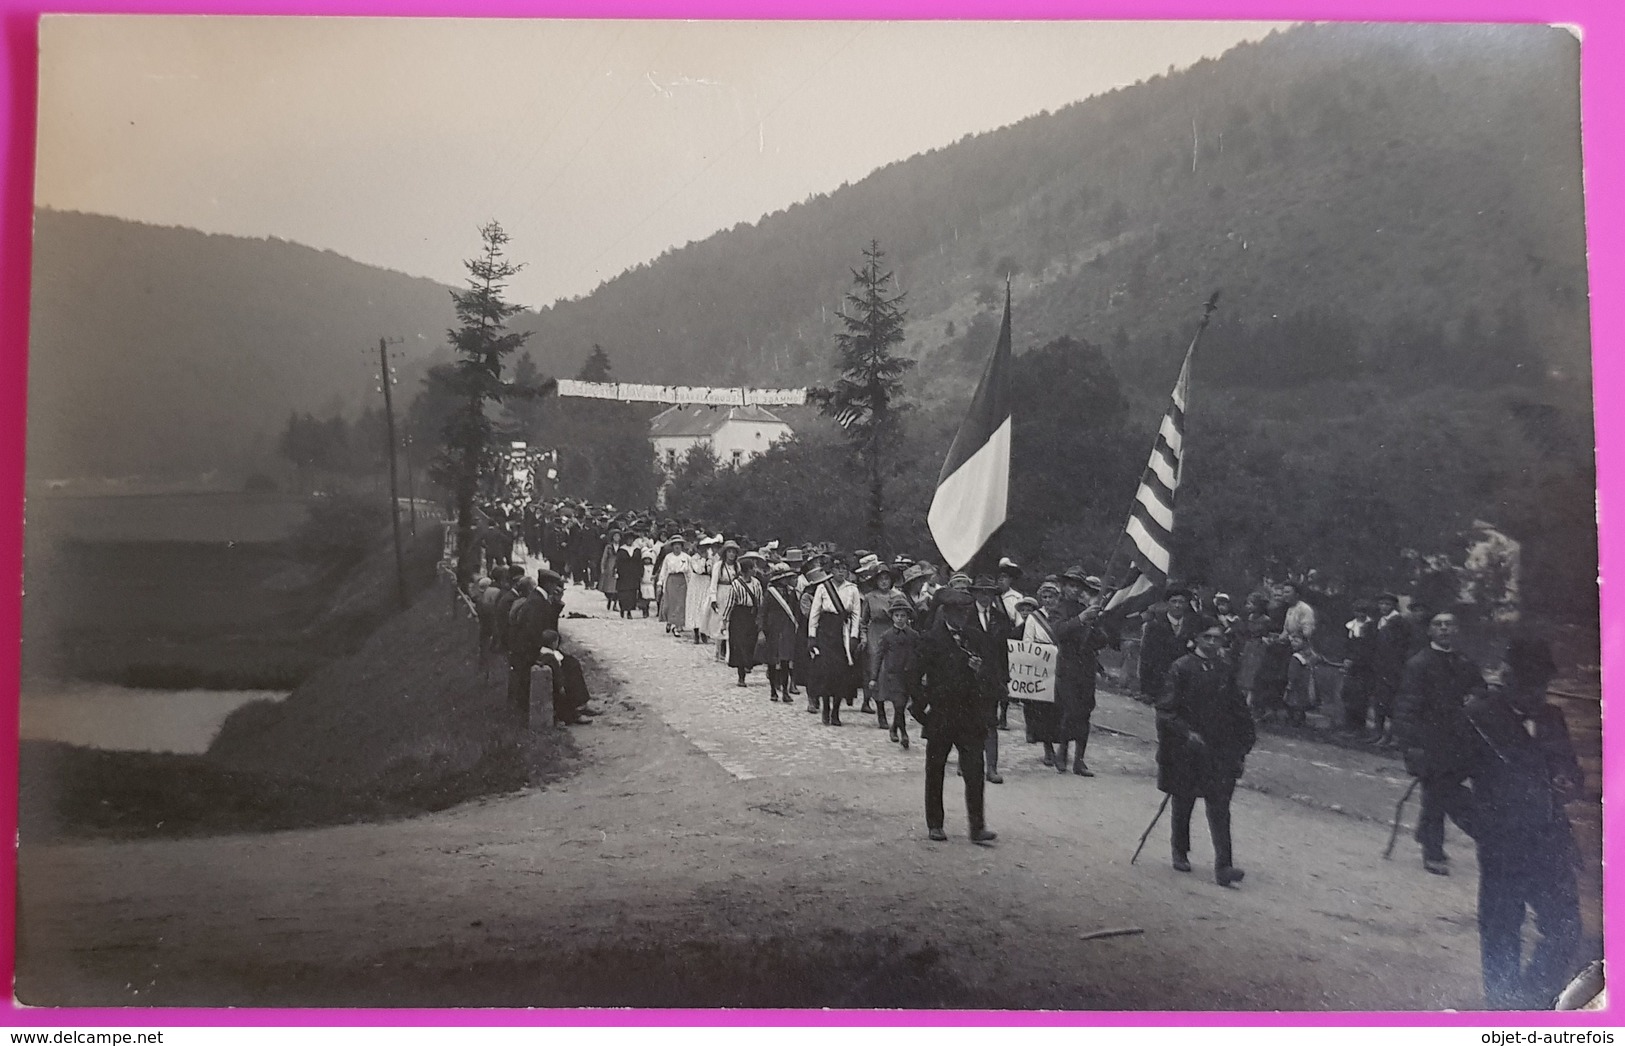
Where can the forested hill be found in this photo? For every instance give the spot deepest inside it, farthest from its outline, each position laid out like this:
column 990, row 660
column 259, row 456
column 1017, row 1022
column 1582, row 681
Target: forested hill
column 163, row 351
column 1365, row 195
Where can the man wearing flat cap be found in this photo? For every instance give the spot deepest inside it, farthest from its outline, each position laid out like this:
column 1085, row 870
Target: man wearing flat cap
column 953, row 711
column 1204, row 733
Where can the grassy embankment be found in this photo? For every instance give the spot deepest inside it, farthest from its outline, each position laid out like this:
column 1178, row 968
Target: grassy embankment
column 405, row 724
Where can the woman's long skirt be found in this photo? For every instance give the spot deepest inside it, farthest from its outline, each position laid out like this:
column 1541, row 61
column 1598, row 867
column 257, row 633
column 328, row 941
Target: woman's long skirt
column 742, row 637
column 1043, row 719
column 830, row 674
column 674, row 601
column 699, row 589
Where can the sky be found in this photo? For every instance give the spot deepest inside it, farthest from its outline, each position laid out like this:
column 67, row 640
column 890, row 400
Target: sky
column 597, row 145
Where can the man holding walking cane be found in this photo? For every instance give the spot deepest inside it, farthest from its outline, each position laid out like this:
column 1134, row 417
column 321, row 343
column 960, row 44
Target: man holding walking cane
column 1204, row 732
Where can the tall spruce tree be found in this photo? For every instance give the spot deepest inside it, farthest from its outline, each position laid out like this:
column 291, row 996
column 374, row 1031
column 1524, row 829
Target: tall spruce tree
column 596, row 368
column 867, row 399
column 482, row 343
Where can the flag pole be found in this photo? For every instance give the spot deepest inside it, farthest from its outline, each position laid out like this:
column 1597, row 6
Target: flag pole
column 1208, row 309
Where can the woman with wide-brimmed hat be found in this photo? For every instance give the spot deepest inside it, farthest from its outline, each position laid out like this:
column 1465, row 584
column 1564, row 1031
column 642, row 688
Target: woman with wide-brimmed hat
column 1043, row 718
column 801, row 670
column 834, row 624
column 722, row 579
column 780, row 626
column 700, row 564
column 877, row 621
column 628, row 576
column 673, row 594
column 744, row 609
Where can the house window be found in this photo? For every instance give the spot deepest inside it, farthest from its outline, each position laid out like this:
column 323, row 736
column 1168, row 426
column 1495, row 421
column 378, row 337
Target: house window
column 739, row 458
column 671, row 457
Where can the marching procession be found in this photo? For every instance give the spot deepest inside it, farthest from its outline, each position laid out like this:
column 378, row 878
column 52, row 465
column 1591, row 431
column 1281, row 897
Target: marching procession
column 838, row 631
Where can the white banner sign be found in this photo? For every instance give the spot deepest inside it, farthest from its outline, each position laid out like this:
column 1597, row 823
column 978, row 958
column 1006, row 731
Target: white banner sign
column 1032, row 670
column 629, row 393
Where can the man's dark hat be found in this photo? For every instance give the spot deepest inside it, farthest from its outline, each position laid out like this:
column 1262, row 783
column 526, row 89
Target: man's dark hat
column 983, row 583
column 952, row 597
column 1008, row 566
column 1388, row 597
column 1075, row 575
column 547, row 577
column 1177, row 590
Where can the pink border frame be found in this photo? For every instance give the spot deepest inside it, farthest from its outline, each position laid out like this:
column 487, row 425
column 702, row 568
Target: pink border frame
column 1601, row 22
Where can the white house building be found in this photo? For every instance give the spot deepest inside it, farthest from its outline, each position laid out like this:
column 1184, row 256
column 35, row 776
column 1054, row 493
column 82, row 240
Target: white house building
column 735, row 434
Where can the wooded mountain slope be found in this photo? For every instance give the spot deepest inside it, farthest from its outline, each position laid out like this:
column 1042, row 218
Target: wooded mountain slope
column 164, row 351
column 1376, row 178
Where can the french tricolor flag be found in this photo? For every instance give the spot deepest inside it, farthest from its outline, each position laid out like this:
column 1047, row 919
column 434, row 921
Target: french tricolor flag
column 973, row 490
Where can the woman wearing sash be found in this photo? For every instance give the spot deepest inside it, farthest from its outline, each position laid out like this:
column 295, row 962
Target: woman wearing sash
column 1043, row 718
column 722, row 580
column 833, row 626
column 801, row 672
column 780, row 623
column 744, row 607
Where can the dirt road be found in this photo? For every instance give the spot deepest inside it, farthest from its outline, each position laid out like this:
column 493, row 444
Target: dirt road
column 719, row 849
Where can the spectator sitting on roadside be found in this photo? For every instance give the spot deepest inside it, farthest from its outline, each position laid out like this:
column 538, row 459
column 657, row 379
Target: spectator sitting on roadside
column 570, row 694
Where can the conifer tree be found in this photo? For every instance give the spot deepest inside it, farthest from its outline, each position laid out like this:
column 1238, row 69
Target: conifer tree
column 482, row 343
column 867, row 399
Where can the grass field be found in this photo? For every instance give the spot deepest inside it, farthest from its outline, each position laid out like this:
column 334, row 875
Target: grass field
column 236, row 517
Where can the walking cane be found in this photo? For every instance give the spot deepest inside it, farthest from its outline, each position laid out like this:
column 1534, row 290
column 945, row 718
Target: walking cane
column 1393, row 835
column 1147, row 833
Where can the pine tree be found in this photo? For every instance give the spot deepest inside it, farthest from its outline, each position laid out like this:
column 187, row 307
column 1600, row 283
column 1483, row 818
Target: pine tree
column 596, row 368
column 867, row 399
column 482, row 343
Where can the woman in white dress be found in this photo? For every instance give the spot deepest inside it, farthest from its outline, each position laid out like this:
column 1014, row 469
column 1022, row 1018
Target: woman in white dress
column 719, row 600
column 700, row 564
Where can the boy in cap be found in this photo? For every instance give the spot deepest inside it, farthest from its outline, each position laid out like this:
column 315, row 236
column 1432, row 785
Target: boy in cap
column 896, row 666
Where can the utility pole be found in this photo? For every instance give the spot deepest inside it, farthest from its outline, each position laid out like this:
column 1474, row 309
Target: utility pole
column 411, row 488
column 386, row 378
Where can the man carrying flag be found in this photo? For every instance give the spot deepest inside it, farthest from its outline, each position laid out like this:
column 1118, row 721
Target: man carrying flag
column 973, row 493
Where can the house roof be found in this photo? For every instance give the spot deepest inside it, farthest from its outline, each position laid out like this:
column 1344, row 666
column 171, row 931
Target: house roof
column 697, row 419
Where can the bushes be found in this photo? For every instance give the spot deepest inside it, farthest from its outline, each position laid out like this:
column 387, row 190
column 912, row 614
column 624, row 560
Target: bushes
column 340, row 530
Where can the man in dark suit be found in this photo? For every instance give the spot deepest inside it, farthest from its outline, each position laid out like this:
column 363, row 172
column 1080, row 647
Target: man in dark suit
column 1167, row 637
column 954, row 710
column 1432, row 727
column 995, row 627
column 1204, row 732
column 1524, row 771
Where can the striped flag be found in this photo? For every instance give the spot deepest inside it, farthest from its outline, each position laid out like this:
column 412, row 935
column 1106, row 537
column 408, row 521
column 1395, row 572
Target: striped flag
column 849, row 417
column 1151, row 521
column 973, row 489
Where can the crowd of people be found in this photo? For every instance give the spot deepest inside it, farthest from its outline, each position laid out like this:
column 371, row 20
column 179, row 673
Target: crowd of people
column 1487, row 750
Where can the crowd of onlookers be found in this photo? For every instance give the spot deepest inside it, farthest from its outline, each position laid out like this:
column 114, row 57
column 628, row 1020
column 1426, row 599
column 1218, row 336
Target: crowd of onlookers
column 1271, row 641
